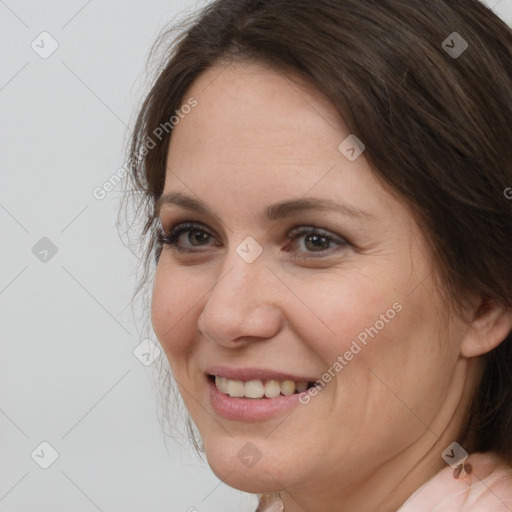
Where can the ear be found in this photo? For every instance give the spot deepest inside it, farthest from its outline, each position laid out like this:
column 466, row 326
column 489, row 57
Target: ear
column 491, row 324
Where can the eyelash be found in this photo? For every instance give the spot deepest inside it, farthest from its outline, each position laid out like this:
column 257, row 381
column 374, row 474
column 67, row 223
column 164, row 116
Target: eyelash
column 171, row 238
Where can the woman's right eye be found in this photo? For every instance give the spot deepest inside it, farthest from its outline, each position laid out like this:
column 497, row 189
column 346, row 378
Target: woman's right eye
column 195, row 236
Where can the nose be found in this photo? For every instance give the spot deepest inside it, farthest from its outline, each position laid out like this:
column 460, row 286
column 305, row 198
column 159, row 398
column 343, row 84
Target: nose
column 241, row 307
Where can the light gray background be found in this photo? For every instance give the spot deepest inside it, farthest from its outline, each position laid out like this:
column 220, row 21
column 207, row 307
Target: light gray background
column 68, row 375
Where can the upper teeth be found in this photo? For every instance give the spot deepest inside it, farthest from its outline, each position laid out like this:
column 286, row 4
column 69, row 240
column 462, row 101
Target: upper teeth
column 258, row 388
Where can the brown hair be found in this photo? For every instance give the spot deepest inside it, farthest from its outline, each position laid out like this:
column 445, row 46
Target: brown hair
column 436, row 126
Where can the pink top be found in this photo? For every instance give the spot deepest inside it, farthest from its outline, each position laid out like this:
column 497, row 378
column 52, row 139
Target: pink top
column 484, row 485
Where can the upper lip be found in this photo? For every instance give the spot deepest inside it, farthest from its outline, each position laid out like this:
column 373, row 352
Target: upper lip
column 247, row 374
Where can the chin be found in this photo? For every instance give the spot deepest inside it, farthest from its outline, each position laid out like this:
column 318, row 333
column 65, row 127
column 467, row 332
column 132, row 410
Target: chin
column 253, row 476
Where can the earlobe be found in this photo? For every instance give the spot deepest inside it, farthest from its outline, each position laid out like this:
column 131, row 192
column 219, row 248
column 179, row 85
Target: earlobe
column 491, row 324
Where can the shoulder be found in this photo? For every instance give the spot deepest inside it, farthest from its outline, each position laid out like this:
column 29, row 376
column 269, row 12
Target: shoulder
column 487, row 487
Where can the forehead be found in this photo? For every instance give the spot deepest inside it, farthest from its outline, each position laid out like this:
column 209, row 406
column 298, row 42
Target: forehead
column 251, row 111
column 258, row 136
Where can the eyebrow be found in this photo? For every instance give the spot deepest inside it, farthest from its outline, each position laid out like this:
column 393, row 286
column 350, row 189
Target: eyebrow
column 276, row 211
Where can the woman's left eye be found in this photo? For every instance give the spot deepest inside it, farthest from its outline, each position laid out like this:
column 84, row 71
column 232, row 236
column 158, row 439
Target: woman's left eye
column 313, row 242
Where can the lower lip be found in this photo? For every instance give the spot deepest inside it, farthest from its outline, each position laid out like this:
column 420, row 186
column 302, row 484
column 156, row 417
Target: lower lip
column 249, row 409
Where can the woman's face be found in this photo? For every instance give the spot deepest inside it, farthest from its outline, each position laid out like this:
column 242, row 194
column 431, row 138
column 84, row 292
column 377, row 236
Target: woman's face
column 342, row 295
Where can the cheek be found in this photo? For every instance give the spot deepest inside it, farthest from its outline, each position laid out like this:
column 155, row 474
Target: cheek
column 398, row 360
column 172, row 309
column 344, row 315
column 375, row 340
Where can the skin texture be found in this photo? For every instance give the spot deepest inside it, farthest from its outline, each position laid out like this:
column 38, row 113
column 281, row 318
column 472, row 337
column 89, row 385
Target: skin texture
column 376, row 432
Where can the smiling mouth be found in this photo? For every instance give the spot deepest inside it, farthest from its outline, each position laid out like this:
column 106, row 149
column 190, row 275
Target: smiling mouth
column 259, row 389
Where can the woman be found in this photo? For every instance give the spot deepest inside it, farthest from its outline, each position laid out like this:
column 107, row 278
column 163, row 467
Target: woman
column 323, row 185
